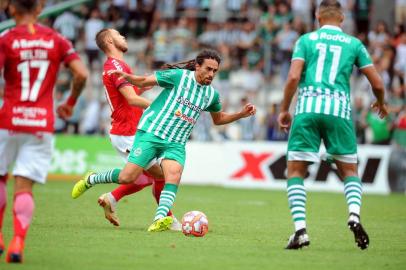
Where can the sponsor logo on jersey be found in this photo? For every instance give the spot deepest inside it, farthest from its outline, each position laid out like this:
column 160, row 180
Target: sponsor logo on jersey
column 189, row 104
column 337, row 37
column 313, row 36
column 24, row 44
column 178, row 113
column 17, row 121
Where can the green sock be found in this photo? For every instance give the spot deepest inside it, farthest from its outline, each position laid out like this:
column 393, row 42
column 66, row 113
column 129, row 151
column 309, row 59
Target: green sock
column 166, row 200
column 353, row 194
column 104, row 177
column 297, row 202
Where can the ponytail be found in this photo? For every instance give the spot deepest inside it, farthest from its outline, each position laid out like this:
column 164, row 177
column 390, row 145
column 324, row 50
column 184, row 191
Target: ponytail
column 190, row 65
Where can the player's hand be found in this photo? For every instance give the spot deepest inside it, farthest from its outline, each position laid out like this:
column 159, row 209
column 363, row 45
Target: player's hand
column 380, row 109
column 64, row 111
column 284, row 121
column 248, row 110
column 119, row 73
column 146, row 88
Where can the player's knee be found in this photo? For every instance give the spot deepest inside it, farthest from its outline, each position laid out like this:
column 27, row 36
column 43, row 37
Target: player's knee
column 173, row 177
column 125, row 178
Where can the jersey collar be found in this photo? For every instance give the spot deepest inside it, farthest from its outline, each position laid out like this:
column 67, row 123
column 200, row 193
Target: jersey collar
column 194, row 78
column 331, row 27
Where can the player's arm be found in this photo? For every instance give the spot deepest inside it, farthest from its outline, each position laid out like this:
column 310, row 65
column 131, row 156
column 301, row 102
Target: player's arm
column 292, row 82
column 80, row 74
column 140, row 81
column 2, row 56
column 223, row 118
column 132, row 98
column 378, row 89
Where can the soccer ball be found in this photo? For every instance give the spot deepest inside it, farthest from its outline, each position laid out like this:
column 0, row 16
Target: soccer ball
column 195, row 223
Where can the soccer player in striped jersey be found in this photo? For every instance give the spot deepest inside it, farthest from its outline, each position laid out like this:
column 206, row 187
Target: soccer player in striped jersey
column 321, row 66
column 166, row 125
column 127, row 106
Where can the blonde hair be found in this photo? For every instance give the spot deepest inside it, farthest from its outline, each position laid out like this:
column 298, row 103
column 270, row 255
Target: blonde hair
column 101, row 37
column 330, row 9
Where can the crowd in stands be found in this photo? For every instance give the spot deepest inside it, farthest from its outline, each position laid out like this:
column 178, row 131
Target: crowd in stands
column 255, row 39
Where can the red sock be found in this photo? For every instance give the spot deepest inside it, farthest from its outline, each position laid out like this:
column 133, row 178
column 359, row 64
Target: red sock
column 124, row 190
column 23, row 210
column 3, row 198
column 157, row 188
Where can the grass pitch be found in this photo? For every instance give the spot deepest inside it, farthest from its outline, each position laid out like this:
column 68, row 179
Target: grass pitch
column 248, row 229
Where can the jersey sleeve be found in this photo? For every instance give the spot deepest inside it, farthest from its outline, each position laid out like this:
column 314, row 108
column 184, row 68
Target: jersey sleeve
column 215, row 105
column 168, row 78
column 299, row 51
column 363, row 59
column 117, row 80
column 67, row 52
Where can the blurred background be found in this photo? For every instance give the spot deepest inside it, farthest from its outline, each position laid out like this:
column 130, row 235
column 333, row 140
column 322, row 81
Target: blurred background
column 255, row 39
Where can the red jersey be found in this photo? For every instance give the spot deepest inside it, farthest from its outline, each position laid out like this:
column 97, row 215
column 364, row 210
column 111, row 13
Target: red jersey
column 124, row 117
column 30, row 56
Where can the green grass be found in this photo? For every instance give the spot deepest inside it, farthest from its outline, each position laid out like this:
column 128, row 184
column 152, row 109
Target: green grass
column 248, row 230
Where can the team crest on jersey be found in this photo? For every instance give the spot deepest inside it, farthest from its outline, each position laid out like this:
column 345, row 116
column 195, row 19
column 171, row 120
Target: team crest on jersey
column 138, row 152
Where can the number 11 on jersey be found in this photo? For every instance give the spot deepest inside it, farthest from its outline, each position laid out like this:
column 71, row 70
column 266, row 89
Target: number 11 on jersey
column 336, row 51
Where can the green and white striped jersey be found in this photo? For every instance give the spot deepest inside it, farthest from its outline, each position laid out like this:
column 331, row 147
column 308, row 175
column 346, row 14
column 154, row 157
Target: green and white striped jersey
column 173, row 114
column 329, row 56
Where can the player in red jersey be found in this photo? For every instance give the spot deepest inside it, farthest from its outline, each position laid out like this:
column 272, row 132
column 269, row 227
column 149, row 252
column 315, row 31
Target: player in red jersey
column 127, row 108
column 30, row 56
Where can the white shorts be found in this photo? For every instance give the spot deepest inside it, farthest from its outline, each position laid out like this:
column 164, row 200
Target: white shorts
column 30, row 153
column 123, row 146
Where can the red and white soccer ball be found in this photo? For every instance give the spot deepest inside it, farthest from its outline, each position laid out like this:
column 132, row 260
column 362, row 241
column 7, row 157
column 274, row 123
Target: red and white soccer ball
column 195, row 223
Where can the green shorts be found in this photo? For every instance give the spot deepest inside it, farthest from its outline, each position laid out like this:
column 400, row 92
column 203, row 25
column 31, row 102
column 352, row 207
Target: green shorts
column 147, row 146
column 308, row 129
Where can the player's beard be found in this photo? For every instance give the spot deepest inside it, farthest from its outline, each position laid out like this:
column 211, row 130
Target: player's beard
column 121, row 46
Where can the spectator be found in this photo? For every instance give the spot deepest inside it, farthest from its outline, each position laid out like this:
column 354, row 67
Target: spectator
column 400, row 60
column 218, row 12
column 165, row 10
column 210, row 36
column 249, row 128
column 283, row 15
column 273, row 133
column 400, row 12
column 397, row 160
column 160, row 45
column 362, row 10
column 378, row 38
column 285, row 40
column 181, row 38
column 349, row 23
column 92, row 26
column 247, row 36
column 222, row 80
column 90, row 124
column 378, row 130
column 68, row 25
column 302, row 9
